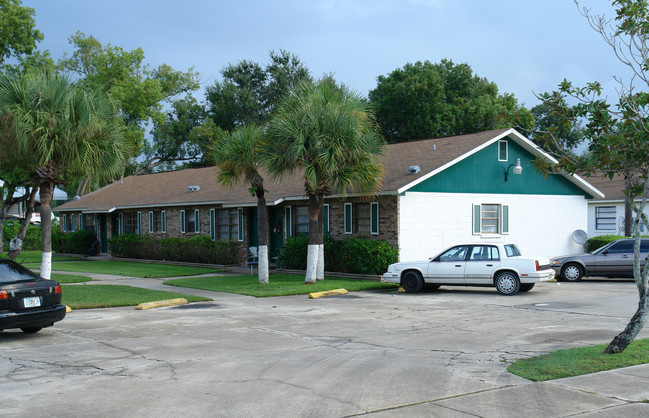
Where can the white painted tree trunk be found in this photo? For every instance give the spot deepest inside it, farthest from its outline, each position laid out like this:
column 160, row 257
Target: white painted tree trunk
column 319, row 274
column 46, row 265
column 311, row 263
column 263, row 264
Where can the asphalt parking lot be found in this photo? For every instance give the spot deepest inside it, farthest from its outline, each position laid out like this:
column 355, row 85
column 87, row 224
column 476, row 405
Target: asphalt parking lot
column 379, row 353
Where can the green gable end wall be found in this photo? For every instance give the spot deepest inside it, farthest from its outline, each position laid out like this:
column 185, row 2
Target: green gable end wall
column 483, row 173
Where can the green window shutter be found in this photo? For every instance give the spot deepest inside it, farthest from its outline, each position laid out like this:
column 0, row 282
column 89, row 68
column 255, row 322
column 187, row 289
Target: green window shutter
column 212, row 224
column 81, row 221
column 476, row 220
column 197, row 223
column 374, row 218
column 163, row 220
column 182, row 221
column 121, row 223
column 240, row 212
column 325, row 219
column 151, row 222
column 72, row 222
column 139, row 223
column 505, row 218
column 348, row 218
column 288, row 221
column 65, row 223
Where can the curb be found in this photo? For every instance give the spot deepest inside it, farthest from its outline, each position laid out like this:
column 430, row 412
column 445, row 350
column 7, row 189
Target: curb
column 161, row 303
column 316, row 295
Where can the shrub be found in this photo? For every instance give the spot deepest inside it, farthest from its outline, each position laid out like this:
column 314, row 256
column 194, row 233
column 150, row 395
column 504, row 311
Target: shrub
column 600, row 241
column 78, row 242
column 33, row 237
column 293, row 253
column 366, row 256
column 199, row 249
column 354, row 255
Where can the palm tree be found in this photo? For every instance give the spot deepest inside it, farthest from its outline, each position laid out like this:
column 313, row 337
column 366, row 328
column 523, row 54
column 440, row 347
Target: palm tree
column 59, row 131
column 237, row 157
column 329, row 134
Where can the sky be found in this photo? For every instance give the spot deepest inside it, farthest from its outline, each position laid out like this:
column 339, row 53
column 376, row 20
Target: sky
column 525, row 47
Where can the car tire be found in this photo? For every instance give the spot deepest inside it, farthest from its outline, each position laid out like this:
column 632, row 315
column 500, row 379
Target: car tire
column 31, row 330
column 507, row 283
column 526, row 287
column 572, row 272
column 412, row 282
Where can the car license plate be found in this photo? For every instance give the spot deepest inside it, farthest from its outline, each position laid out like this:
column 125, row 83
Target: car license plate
column 32, row 302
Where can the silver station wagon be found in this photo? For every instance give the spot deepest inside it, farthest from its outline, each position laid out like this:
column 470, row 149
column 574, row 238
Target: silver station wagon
column 614, row 259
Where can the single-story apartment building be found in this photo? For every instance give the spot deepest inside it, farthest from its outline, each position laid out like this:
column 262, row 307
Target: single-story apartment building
column 481, row 187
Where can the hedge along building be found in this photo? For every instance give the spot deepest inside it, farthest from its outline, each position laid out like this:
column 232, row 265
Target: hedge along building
column 435, row 193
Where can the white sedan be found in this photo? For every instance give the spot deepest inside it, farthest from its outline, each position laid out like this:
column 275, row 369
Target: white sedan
column 499, row 265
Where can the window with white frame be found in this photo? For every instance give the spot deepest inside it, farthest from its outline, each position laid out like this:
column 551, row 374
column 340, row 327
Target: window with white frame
column 361, row 218
column 301, row 220
column 88, row 222
column 193, row 224
column 69, row 223
column 130, row 222
column 490, row 219
column 156, row 221
column 228, row 224
column 605, row 218
column 503, row 151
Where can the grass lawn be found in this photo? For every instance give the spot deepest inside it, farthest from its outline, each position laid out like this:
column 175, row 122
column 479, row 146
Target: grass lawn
column 128, row 268
column 579, row 361
column 106, row 296
column 70, row 278
column 279, row 284
column 35, row 257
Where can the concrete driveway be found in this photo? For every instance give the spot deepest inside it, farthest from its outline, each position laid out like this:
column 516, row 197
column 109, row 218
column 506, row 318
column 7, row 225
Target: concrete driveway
column 379, row 353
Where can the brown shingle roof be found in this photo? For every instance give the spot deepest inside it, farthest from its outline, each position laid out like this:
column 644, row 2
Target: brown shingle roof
column 170, row 188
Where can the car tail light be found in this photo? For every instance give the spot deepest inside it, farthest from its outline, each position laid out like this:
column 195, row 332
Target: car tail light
column 57, row 289
column 538, row 267
column 3, row 294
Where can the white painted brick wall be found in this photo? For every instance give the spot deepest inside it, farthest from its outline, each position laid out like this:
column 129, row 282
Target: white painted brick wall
column 541, row 225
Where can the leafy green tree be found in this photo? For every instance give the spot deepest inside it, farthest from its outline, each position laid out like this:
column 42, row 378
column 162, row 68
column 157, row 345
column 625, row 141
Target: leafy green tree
column 424, row 100
column 138, row 91
column 59, row 130
column 238, row 158
column 567, row 133
column 329, row 134
column 249, row 92
column 18, row 34
column 177, row 137
column 618, row 134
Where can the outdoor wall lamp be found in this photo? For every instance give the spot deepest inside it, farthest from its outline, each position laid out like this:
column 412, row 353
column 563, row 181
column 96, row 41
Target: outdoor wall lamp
column 518, row 169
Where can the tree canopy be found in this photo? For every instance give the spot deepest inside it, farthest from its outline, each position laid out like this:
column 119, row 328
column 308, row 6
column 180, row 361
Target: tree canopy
column 18, row 34
column 249, row 92
column 424, row 100
column 139, row 92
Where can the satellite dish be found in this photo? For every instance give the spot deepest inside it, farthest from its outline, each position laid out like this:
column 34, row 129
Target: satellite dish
column 580, row 236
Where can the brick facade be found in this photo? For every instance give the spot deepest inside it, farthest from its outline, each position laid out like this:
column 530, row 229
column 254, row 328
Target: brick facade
column 388, row 219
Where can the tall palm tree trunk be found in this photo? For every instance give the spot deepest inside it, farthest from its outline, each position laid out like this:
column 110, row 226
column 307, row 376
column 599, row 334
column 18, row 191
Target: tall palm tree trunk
column 316, row 238
column 46, row 193
column 262, row 232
